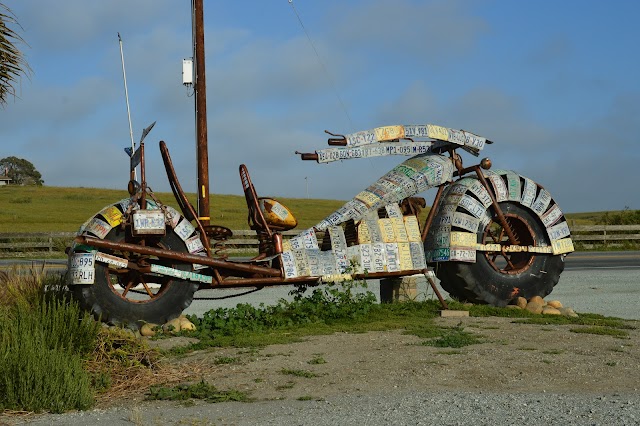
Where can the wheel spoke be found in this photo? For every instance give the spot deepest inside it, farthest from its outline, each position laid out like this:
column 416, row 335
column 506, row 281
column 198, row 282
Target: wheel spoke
column 146, row 287
column 127, row 287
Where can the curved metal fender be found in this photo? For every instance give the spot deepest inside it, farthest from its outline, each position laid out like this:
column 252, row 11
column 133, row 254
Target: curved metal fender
column 463, row 212
column 81, row 262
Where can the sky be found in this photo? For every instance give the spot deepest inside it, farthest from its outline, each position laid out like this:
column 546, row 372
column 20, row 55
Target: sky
column 554, row 83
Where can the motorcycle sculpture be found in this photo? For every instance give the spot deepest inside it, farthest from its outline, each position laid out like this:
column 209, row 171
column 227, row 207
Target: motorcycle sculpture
column 490, row 236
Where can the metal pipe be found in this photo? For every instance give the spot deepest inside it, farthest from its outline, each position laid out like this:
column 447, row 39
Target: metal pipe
column 183, row 257
column 432, row 213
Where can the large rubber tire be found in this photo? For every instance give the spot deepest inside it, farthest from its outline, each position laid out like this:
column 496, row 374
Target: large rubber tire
column 491, row 280
column 107, row 300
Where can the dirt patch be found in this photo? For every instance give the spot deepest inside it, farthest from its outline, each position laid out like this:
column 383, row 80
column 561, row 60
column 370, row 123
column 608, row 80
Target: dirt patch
column 513, row 358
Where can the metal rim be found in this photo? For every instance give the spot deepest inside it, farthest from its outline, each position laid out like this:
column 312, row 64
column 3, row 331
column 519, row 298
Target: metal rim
column 135, row 286
column 510, row 263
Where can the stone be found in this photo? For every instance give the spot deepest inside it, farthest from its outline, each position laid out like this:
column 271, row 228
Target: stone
column 554, row 304
column 534, row 307
column 537, row 299
column 513, row 307
column 521, row 302
column 568, row 312
column 148, row 330
column 549, row 310
column 187, row 325
column 172, row 326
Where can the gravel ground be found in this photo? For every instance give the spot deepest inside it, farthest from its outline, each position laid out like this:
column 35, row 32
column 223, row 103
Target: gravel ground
column 522, row 374
column 413, row 408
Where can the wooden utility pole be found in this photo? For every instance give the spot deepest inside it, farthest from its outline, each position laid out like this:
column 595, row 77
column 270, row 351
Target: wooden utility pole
column 202, row 152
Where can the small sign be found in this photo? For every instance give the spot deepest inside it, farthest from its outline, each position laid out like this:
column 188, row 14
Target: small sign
column 184, row 229
column 194, row 244
column 551, row 216
column 413, row 229
column 529, row 192
column 111, row 260
column 289, row 264
column 98, row 227
column 112, row 215
column 82, row 268
column 562, row 246
column 462, row 255
column 542, row 202
column 558, row 231
column 147, row 222
column 378, row 257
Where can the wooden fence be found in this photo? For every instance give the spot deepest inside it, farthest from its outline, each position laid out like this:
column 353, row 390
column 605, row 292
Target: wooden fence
column 51, row 244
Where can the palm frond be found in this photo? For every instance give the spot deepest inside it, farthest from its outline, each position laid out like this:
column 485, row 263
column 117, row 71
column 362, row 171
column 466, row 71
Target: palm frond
column 12, row 61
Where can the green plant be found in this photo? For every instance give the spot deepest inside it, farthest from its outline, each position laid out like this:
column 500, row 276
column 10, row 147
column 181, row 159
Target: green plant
column 201, row 390
column 225, row 360
column 44, row 340
column 299, row 373
column 452, row 337
column 317, row 360
column 605, row 331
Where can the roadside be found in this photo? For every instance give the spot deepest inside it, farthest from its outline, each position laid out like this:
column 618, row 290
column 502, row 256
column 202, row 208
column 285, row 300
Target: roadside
column 540, row 371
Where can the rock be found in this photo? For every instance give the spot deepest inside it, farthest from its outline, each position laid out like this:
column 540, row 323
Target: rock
column 550, row 310
column 185, row 324
column 513, row 307
column 148, row 330
column 534, row 307
column 537, row 299
column 554, row 304
column 568, row 312
column 172, row 326
column 521, row 302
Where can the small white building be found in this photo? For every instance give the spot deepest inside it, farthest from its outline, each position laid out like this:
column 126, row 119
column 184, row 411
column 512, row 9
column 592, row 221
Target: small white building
column 4, row 180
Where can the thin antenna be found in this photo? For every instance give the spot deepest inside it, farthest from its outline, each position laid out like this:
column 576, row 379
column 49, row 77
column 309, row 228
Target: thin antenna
column 324, row 68
column 126, row 95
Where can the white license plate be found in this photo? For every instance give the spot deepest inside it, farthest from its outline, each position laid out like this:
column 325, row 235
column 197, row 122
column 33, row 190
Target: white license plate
column 148, row 222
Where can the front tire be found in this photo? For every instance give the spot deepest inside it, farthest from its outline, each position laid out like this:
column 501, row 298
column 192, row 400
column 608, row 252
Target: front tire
column 131, row 298
column 498, row 277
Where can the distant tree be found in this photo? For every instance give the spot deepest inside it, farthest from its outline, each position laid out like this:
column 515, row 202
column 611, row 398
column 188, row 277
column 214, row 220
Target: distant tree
column 20, row 171
column 12, row 62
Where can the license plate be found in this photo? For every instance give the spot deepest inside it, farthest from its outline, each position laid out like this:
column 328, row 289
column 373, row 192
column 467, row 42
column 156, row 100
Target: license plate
column 82, row 268
column 148, row 222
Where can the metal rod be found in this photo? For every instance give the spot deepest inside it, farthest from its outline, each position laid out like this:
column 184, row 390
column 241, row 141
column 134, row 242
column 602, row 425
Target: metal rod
column 432, row 213
column 126, row 96
column 501, row 218
column 202, row 152
column 183, row 257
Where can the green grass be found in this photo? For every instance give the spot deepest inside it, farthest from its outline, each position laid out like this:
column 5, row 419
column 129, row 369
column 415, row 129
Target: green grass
column 201, row 390
column 57, row 209
column 603, row 331
column 299, row 373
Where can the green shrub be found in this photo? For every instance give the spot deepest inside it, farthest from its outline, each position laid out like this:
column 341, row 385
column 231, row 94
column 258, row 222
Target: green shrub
column 43, row 340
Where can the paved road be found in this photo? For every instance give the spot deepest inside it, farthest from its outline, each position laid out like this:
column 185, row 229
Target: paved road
column 597, row 282
column 606, row 283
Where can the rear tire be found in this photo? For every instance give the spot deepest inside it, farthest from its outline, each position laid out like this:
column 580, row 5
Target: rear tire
column 496, row 278
column 113, row 299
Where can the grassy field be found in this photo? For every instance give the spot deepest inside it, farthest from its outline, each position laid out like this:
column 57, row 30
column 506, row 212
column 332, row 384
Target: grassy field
column 56, row 209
